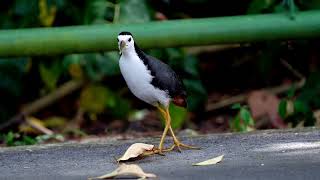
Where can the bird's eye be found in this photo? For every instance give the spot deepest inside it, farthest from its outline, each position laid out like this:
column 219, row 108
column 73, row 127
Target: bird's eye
column 129, row 39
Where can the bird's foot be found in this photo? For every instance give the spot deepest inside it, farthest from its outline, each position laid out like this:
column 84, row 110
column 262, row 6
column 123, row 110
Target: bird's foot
column 159, row 151
column 179, row 144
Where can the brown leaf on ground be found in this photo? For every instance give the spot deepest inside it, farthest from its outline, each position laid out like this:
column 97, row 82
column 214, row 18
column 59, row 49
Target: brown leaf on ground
column 210, row 161
column 131, row 170
column 264, row 104
column 136, row 150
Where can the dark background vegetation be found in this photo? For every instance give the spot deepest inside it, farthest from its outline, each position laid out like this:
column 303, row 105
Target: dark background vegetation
column 104, row 106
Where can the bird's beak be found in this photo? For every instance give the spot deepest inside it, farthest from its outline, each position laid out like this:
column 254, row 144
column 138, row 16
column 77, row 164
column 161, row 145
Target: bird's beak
column 122, row 45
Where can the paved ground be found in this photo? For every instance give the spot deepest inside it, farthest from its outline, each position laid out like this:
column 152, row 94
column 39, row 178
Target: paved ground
column 261, row 155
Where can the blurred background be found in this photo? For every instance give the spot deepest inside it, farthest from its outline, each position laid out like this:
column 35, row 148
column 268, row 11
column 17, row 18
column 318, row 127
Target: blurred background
column 234, row 87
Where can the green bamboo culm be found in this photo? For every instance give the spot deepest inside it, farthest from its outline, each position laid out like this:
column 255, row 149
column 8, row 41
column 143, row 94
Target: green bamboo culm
column 172, row 33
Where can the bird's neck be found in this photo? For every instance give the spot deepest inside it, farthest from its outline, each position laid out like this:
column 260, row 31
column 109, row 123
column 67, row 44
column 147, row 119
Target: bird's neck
column 128, row 53
column 134, row 51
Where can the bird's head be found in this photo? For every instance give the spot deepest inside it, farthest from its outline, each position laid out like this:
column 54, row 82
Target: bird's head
column 125, row 42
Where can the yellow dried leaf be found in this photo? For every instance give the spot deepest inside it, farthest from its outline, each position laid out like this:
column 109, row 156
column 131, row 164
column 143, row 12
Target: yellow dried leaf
column 135, row 150
column 210, row 161
column 34, row 125
column 131, row 170
column 47, row 14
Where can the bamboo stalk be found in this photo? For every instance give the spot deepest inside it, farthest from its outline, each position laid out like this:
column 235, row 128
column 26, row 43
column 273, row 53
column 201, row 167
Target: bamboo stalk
column 171, row 33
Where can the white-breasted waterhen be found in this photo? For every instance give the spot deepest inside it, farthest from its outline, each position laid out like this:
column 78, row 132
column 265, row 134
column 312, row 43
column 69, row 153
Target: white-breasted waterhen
column 152, row 81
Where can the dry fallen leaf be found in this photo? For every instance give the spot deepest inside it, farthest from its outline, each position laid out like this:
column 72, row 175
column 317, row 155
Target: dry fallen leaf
column 265, row 104
column 136, row 150
column 210, row 161
column 131, row 170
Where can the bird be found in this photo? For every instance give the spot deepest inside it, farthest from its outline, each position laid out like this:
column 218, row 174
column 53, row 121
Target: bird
column 153, row 82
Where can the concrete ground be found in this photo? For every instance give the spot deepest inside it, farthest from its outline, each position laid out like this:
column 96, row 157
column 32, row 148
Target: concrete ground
column 276, row 154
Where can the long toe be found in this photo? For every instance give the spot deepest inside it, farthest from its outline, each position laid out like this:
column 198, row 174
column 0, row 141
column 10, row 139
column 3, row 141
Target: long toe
column 189, row 146
column 179, row 144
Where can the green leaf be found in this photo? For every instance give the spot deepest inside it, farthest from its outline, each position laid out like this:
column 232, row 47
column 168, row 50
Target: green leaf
column 236, row 106
column 310, row 4
column 93, row 98
column 95, row 11
column 50, row 74
column 197, row 94
column 24, row 7
column 111, row 64
column 178, row 116
column 236, row 123
column 259, row 6
column 291, row 92
column 121, row 107
column 191, row 65
column 245, row 115
column 27, row 140
column 46, row 137
column 175, row 56
column 11, row 73
column 282, row 109
column 300, row 107
column 134, row 11
column 9, row 138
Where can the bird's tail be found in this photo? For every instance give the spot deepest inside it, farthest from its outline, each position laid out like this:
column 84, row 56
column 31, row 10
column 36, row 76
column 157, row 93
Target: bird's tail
column 180, row 100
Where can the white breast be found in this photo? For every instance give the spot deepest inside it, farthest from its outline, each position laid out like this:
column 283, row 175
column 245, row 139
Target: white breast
column 138, row 79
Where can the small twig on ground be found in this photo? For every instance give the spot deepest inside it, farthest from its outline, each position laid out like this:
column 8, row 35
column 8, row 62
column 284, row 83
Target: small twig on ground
column 44, row 101
column 38, row 127
column 242, row 97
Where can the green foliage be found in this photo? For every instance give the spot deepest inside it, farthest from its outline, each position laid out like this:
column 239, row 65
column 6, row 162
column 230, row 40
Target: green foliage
column 197, row 94
column 298, row 108
column 269, row 6
column 310, row 4
column 178, row 116
column 94, row 68
column 120, row 108
column 243, row 121
column 134, row 11
column 282, row 109
column 236, row 106
column 295, row 111
column 258, row 6
column 50, row 74
column 47, row 137
column 95, row 99
column 15, row 139
column 292, row 108
column 12, row 71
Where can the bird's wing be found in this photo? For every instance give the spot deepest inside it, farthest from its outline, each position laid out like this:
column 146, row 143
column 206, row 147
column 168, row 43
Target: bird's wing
column 165, row 78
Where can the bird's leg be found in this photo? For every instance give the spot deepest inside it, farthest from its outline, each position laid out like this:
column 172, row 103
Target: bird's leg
column 177, row 143
column 165, row 131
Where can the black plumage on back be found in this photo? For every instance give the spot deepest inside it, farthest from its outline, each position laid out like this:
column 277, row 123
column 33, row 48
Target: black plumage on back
column 164, row 77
